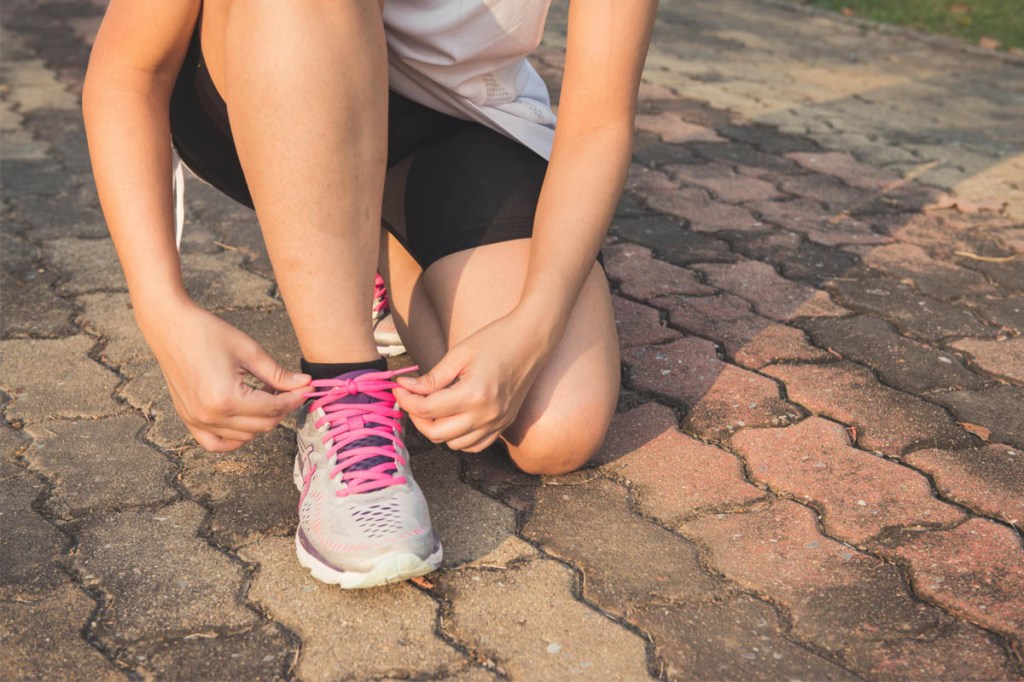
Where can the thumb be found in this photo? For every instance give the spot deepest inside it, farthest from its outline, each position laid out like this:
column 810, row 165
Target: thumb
column 440, row 376
column 263, row 367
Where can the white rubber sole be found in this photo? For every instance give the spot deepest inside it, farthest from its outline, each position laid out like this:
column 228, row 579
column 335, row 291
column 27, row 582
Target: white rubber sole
column 391, row 351
column 390, row 568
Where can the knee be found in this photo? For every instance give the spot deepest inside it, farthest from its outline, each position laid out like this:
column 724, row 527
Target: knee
column 551, row 449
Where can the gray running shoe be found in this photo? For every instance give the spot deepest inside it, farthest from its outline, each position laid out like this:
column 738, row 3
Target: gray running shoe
column 385, row 334
column 363, row 521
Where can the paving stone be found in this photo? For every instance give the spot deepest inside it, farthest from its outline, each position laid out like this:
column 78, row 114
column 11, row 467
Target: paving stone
column 723, row 181
column 249, row 489
column 911, row 311
column 1007, row 312
column 672, row 242
column 672, row 476
column 838, row 599
column 471, row 525
column 987, row 480
column 724, row 318
column 493, row 473
column 262, row 654
column 887, row 421
column 641, row 277
column 766, row 138
column 771, row 295
column 719, row 398
column 98, row 465
column 271, row 328
column 110, row 316
column 975, row 571
column 1004, row 358
column 69, row 214
column 495, row 615
column 29, row 545
column 835, row 195
column 82, row 388
column 732, row 638
column 671, row 128
column 829, row 228
column 859, row 494
column 12, row 445
column 160, row 579
column 900, row 362
column 52, row 625
column 649, row 150
column 1009, row 274
column 31, row 308
column 583, row 524
column 795, row 256
column 935, row 278
column 744, row 155
column 996, row 408
column 343, row 632
column 694, row 206
column 778, row 343
column 147, row 391
column 639, row 325
column 846, row 168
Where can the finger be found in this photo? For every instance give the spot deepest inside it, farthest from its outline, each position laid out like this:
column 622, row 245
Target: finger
column 476, row 441
column 263, row 367
column 250, row 424
column 445, row 430
column 212, row 442
column 256, row 403
column 442, row 375
column 444, row 403
column 236, row 435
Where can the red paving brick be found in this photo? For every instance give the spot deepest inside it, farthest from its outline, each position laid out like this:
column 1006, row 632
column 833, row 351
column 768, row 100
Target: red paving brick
column 886, row 420
column 988, row 480
column 859, row 494
column 846, row 168
column 639, row 325
column 771, row 294
column 935, row 278
column 843, row 601
column 692, row 205
column 723, row 181
column 720, row 398
column 671, row 128
column 642, row 277
column 1003, row 358
column 671, row 475
column 975, row 571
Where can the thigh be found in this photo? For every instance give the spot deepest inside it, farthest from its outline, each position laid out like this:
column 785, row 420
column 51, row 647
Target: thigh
column 566, row 414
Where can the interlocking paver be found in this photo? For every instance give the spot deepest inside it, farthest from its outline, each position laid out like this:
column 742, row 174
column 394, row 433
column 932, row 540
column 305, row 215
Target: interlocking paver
column 495, row 614
column 264, row 653
column 887, row 421
column 639, row 325
column 642, row 277
column 719, row 397
column 975, row 570
column 723, row 181
column 859, row 494
column 911, row 311
column 900, row 362
column 1004, row 358
column 795, row 256
column 671, row 242
column 734, row 637
column 250, row 489
column 31, row 308
column 694, row 206
column 472, row 526
column 42, row 640
column 671, row 128
column 772, row 296
column 30, row 547
column 147, row 391
column 844, row 167
column 584, row 524
column 988, row 480
column 672, row 476
column 993, row 408
column 379, row 632
column 1006, row 311
column 98, row 465
column 160, row 579
column 847, row 603
column 935, row 278
column 55, row 378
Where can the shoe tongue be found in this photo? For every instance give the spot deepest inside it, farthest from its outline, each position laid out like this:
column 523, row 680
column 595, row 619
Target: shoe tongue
column 369, row 441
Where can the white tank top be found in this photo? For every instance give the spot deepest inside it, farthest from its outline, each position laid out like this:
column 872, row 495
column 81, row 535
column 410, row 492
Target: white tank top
column 467, row 58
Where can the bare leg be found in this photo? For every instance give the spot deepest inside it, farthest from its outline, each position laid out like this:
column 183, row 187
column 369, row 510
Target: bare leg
column 306, row 87
column 564, row 419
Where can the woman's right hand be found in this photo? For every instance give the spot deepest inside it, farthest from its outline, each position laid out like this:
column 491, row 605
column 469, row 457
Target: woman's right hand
column 205, row 362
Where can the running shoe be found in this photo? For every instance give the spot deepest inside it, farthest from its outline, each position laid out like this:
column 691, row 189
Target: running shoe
column 363, row 521
column 385, row 334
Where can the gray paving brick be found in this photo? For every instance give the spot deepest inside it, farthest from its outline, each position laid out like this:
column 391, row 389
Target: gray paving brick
column 30, row 546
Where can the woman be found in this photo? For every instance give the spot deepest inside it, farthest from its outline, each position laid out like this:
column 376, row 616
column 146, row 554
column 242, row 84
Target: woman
column 489, row 251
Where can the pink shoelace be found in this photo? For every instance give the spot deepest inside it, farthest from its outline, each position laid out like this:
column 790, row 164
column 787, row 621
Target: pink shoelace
column 379, row 422
column 380, row 295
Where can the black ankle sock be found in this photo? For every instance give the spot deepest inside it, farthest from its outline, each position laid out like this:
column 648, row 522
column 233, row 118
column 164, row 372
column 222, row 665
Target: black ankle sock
column 329, row 370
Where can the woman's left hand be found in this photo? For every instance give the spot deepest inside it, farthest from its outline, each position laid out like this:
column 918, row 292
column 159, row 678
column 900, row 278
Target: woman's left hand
column 475, row 391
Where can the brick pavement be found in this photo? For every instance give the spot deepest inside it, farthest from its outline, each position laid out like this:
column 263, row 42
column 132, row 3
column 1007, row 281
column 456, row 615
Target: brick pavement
column 816, row 471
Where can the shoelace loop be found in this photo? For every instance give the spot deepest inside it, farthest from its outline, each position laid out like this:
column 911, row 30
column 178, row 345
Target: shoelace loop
column 349, row 423
column 380, row 296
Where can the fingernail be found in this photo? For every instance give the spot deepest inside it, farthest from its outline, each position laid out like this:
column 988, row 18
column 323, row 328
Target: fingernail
column 408, row 381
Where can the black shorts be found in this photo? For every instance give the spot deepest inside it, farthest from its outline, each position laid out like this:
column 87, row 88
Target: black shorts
column 451, row 184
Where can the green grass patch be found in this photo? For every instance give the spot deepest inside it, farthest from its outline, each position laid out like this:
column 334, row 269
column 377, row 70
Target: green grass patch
column 972, row 20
